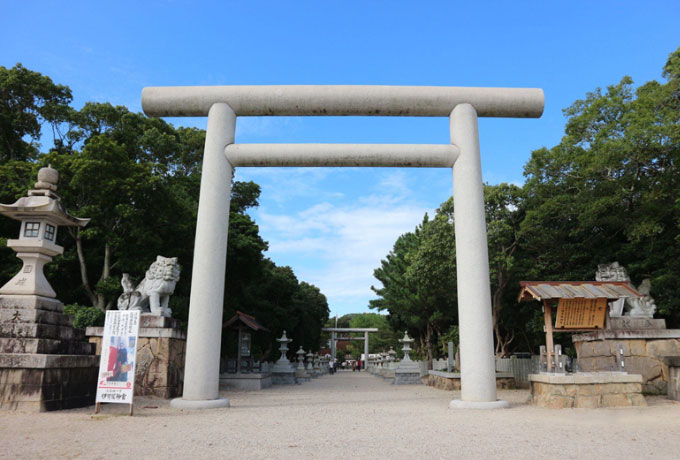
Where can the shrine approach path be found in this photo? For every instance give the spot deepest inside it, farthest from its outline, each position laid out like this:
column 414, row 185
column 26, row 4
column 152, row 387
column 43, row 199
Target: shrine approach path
column 343, row 416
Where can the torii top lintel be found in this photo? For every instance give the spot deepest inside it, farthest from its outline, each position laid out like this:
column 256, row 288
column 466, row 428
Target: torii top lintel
column 342, row 100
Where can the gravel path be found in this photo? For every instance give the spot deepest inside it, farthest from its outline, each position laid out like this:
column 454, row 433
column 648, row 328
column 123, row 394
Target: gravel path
column 347, row 415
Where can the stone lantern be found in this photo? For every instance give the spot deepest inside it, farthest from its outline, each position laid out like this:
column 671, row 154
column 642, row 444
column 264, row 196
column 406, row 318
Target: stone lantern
column 391, row 354
column 408, row 371
column 44, row 364
column 407, row 341
column 40, row 214
column 283, row 371
column 310, row 366
column 300, row 358
column 301, row 373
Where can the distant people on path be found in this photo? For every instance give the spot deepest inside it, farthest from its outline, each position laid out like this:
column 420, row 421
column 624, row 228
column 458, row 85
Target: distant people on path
column 331, row 367
column 354, row 366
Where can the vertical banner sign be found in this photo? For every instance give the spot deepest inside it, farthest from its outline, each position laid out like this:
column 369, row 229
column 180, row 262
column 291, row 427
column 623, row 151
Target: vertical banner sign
column 116, row 382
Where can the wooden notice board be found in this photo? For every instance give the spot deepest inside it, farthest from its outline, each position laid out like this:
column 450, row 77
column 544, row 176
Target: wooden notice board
column 581, row 313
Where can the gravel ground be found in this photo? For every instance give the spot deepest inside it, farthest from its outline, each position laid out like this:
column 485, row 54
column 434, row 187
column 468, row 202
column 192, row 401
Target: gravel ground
column 347, row 415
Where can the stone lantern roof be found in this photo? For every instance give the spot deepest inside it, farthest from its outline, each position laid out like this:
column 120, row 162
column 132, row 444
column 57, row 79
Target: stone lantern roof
column 42, row 203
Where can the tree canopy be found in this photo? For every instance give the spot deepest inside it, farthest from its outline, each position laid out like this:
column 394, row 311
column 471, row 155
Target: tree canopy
column 138, row 179
column 607, row 192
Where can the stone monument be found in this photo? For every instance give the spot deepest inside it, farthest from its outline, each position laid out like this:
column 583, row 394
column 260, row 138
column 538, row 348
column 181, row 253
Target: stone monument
column 283, row 372
column 44, row 362
column 408, row 371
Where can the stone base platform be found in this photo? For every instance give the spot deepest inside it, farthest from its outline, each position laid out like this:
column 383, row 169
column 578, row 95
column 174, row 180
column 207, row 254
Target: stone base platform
column 45, row 363
column 42, row 382
column 451, row 380
column 644, row 351
column 160, row 356
column 587, row 390
column 284, row 378
column 301, row 375
column 406, row 378
column 248, row 382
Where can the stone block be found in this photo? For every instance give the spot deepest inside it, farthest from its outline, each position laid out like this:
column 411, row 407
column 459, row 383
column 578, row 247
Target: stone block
column 584, row 349
column 637, row 399
column 283, row 378
column 587, row 402
column 636, row 323
column 615, row 400
column 588, row 390
column 603, row 348
column 560, row 402
column 647, row 366
column 637, row 347
column 33, row 315
column 662, row 348
column 30, row 302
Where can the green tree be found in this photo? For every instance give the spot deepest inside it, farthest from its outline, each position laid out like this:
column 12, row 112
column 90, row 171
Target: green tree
column 504, row 214
column 27, row 101
column 609, row 190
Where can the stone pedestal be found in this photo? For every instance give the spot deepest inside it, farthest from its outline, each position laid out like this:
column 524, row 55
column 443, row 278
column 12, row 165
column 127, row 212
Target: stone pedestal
column 246, row 382
column 673, row 363
column 587, row 390
column 160, row 356
column 644, row 351
column 45, row 364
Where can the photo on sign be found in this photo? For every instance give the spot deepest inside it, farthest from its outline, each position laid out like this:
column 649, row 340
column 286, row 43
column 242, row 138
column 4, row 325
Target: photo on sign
column 120, row 353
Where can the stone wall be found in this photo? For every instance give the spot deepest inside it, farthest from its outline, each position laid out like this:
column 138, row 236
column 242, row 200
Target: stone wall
column 644, row 356
column 451, row 382
column 563, row 392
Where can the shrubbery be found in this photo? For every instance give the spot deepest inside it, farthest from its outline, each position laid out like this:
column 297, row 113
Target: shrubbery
column 85, row 316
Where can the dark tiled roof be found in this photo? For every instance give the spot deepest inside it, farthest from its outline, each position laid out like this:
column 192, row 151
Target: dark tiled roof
column 248, row 320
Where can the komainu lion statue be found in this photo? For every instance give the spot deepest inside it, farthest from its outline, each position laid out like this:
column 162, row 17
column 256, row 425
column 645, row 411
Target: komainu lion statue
column 153, row 293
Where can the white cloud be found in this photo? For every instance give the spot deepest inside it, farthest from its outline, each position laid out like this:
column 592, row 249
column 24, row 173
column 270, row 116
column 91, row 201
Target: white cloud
column 338, row 247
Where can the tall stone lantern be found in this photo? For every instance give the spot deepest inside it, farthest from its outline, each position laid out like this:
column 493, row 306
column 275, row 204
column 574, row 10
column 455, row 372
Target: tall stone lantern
column 44, row 363
column 40, row 214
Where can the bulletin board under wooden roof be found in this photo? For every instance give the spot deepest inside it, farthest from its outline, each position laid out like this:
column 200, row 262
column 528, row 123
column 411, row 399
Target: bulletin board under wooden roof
column 581, row 305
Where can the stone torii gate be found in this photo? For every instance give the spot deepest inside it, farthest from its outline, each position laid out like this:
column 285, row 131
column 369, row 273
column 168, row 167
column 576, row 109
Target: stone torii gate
column 222, row 104
column 335, row 338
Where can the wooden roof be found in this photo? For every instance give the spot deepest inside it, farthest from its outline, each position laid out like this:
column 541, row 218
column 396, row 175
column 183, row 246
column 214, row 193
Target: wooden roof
column 546, row 290
column 247, row 320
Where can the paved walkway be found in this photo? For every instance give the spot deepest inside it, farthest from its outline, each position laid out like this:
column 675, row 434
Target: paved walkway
column 345, row 416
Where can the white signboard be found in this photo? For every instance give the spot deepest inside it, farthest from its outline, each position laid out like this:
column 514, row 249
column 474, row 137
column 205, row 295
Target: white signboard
column 116, row 383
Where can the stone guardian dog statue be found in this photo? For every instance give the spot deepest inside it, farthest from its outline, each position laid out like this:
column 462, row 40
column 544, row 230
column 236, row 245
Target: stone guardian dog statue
column 153, row 293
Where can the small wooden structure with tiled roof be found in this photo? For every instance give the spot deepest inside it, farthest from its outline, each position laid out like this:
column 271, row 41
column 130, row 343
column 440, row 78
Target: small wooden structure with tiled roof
column 581, row 305
column 241, row 322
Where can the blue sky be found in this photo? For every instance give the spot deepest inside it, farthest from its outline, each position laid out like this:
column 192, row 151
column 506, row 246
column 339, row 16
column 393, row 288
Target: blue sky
column 334, row 225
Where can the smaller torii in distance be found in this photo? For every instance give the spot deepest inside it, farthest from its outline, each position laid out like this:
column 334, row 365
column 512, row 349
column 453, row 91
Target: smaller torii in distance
column 334, row 338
